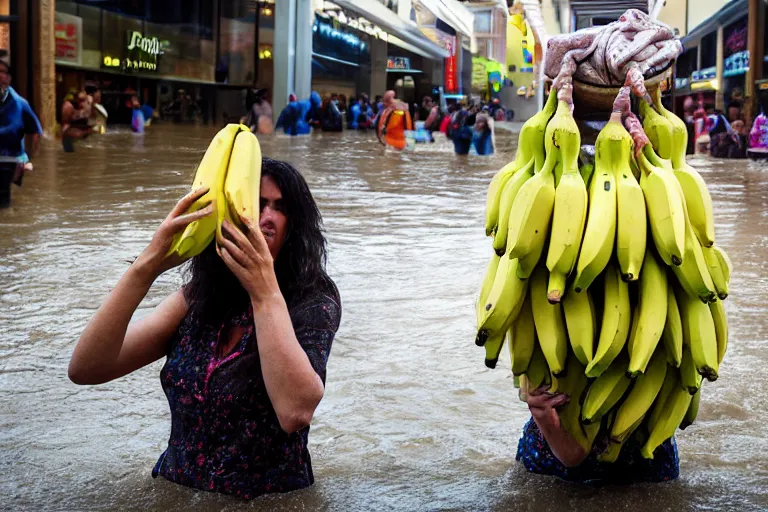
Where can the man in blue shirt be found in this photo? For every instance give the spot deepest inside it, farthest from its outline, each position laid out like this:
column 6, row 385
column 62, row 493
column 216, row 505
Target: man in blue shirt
column 16, row 121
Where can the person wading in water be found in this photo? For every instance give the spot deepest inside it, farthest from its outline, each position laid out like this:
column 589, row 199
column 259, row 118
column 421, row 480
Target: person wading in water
column 246, row 341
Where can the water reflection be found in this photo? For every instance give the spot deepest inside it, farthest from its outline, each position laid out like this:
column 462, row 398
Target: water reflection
column 411, row 420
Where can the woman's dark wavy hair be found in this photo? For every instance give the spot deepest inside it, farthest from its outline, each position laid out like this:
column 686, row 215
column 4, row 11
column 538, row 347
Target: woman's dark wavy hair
column 212, row 291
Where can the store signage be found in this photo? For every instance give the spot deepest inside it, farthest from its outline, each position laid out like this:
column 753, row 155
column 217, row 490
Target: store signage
column 150, row 45
column 141, row 53
column 704, row 74
column 361, row 24
column 736, row 64
column 451, row 85
column 398, row 63
column 328, row 32
column 681, row 83
column 68, row 41
column 705, row 85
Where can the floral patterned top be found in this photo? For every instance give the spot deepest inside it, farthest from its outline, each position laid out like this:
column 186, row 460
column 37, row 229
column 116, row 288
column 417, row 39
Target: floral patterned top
column 225, row 435
column 537, row 457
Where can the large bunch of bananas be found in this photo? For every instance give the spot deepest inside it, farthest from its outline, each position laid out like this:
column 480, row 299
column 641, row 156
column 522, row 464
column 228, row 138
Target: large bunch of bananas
column 627, row 320
column 231, row 169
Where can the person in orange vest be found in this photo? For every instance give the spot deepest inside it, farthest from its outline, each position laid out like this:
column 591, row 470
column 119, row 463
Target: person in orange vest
column 393, row 121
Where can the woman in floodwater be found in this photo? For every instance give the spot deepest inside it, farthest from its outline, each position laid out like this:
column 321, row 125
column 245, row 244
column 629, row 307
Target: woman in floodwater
column 547, row 448
column 246, row 341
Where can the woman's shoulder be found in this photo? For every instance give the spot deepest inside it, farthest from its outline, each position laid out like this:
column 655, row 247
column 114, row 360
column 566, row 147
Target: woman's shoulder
column 322, row 304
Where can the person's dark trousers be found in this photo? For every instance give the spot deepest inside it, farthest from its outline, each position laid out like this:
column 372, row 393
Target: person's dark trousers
column 7, row 170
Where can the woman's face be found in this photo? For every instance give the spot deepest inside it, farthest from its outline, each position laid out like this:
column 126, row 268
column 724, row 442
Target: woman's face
column 272, row 221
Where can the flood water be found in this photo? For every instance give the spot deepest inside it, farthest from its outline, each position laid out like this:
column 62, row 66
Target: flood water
column 411, row 419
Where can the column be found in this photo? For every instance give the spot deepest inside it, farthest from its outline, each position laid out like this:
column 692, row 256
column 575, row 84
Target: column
column 43, row 67
column 719, row 66
column 378, row 68
column 755, row 35
column 292, row 51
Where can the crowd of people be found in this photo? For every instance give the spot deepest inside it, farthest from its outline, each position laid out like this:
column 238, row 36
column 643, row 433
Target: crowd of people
column 714, row 132
column 395, row 122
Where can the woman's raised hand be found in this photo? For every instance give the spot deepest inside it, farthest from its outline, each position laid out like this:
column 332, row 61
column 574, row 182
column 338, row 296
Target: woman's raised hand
column 155, row 259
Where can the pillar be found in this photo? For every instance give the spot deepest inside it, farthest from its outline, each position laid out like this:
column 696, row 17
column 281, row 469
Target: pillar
column 755, row 35
column 43, row 66
column 719, row 67
column 378, row 68
column 292, row 51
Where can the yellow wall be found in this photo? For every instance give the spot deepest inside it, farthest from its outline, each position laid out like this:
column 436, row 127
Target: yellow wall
column 674, row 12
column 515, row 42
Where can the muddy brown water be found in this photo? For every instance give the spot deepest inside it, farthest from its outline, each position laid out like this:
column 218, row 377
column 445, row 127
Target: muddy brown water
column 411, row 419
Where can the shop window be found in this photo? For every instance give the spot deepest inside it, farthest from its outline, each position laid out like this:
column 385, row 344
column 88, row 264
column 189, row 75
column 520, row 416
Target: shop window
column 687, row 63
column 237, row 42
column 483, row 22
column 708, row 50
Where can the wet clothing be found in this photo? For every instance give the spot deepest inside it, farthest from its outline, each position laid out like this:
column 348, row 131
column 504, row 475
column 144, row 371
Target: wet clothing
column 391, row 125
column 724, row 142
column 483, row 142
column 359, row 116
column 225, row 435
column 537, row 457
column 16, row 120
column 296, row 117
column 460, row 133
column 331, row 120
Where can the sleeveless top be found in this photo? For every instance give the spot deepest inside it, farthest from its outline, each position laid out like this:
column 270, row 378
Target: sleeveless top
column 225, row 435
column 537, row 457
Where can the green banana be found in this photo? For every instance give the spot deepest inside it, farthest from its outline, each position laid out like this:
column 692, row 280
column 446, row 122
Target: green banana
column 716, row 272
column 485, row 288
column 586, row 172
column 573, row 384
column 671, row 381
column 690, row 379
column 658, row 129
column 674, row 409
column 725, row 263
column 693, row 273
column 615, row 324
column 549, row 322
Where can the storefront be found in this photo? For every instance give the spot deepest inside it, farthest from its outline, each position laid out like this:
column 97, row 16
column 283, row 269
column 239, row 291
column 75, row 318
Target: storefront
column 190, row 60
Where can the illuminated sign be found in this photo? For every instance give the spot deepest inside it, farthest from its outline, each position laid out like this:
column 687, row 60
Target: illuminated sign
column 736, row 64
column 398, row 63
column 141, row 53
column 704, row 74
column 706, row 85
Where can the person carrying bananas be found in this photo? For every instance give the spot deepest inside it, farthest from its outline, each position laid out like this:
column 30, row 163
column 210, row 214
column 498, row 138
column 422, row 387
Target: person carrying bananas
column 393, row 122
column 246, row 341
column 547, row 448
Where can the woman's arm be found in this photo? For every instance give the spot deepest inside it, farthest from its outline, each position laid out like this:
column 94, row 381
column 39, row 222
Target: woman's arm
column 109, row 348
column 293, row 386
column 542, row 406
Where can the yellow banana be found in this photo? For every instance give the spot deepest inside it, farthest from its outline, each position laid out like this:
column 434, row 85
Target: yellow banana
column 570, row 209
column 692, row 412
column 531, row 211
column 597, row 245
column 511, row 188
column 573, row 384
column 529, row 262
column 503, row 303
column 666, row 211
column 580, row 316
column 725, row 263
column 243, row 182
column 699, row 334
column 674, row 409
column 651, row 314
column 605, row 391
column 537, row 374
column 693, row 273
column 640, row 398
column 658, row 129
column 549, row 322
column 522, row 338
column 615, row 324
column 485, row 288
column 631, row 221
column 690, row 380
column 672, row 336
column 721, row 328
column 530, row 144
column 716, row 272
column 211, row 173
column 698, row 202
column 671, row 381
